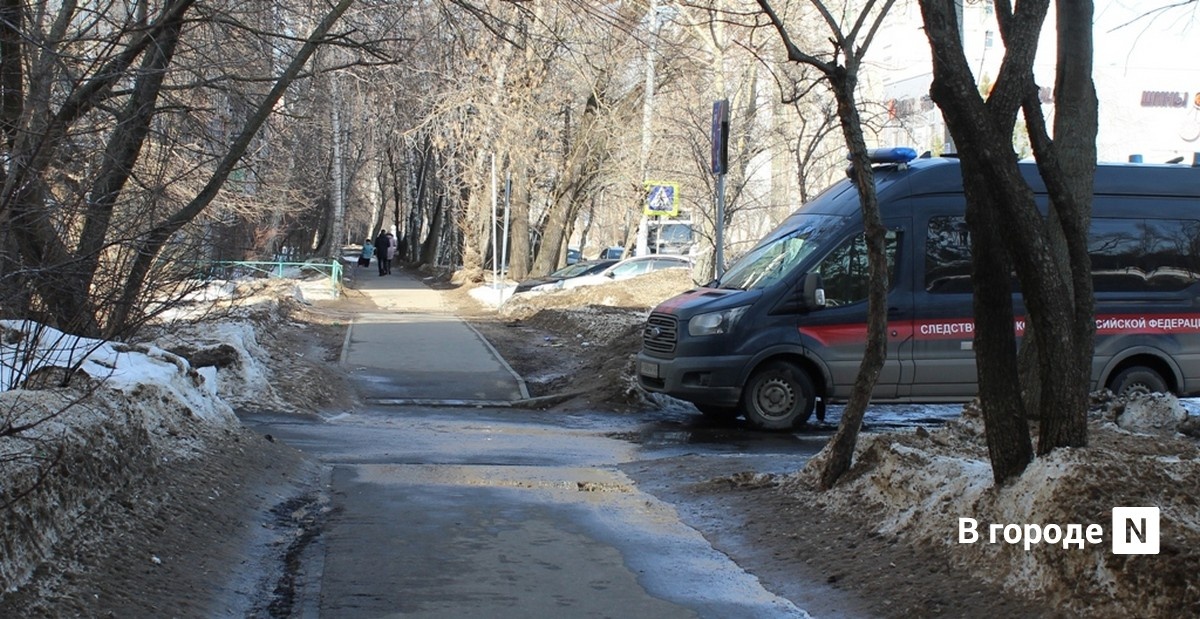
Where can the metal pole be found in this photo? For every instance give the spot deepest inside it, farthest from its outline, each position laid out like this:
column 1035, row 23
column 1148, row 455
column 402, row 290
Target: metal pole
column 719, row 226
column 647, row 120
column 492, row 226
column 507, row 202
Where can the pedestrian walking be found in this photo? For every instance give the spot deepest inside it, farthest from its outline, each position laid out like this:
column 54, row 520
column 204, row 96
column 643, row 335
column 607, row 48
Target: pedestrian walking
column 382, row 246
column 391, row 251
column 368, row 251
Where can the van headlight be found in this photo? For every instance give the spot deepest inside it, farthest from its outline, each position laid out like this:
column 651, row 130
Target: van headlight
column 714, row 323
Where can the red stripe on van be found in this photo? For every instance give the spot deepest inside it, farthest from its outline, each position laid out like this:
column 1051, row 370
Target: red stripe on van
column 837, row 335
column 960, row 329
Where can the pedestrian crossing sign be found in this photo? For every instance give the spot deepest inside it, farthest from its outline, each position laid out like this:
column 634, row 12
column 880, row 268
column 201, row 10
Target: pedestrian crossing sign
column 662, row 199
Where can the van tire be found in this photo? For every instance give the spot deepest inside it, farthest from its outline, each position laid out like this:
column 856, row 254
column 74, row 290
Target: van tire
column 1138, row 380
column 717, row 413
column 779, row 396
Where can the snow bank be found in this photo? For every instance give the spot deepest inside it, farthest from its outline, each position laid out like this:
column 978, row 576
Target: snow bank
column 131, row 412
column 244, row 380
column 492, row 296
column 642, row 292
column 1154, row 413
column 916, row 487
column 28, row 348
column 125, row 416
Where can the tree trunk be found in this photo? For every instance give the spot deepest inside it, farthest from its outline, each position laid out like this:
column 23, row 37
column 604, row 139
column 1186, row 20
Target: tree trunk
column 518, row 257
column 843, row 80
column 1069, row 164
column 983, row 133
column 423, row 181
column 1007, row 228
column 337, row 189
column 432, row 245
column 582, row 166
column 841, row 446
column 1009, row 447
column 151, row 244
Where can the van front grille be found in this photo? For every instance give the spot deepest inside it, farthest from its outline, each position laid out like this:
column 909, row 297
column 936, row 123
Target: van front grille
column 660, row 334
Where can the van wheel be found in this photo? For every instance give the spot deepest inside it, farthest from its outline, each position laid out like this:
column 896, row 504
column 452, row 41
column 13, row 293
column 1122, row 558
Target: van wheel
column 1138, row 380
column 778, row 397
column 717, row 413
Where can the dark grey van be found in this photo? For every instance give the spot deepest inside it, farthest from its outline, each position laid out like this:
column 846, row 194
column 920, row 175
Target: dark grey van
column 756, row 343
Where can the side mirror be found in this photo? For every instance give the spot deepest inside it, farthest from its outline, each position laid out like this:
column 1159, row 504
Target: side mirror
column 814, row 292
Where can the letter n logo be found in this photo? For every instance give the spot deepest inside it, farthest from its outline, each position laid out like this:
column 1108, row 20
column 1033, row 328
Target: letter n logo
column 1135, row 530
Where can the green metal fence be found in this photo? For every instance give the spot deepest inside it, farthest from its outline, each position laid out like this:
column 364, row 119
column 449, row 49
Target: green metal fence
column 277, row 268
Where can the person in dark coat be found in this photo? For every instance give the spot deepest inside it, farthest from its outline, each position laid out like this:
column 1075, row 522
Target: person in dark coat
column 382, row 243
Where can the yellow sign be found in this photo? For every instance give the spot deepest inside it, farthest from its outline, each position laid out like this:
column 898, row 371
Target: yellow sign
column 662, row 199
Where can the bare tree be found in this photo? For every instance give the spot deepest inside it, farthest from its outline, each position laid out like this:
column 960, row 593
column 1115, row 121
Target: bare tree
column 76, row 105
column 1008, row 233
column 841, row 70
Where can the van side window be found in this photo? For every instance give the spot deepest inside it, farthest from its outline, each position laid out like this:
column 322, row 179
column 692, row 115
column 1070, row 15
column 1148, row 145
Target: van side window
column 948, row 255
column 845, row 271
column 1144, row 255
column 1128, row 255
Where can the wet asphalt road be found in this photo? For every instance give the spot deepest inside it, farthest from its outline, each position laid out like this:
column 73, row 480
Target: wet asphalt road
column 442, row 502
column 463, row 512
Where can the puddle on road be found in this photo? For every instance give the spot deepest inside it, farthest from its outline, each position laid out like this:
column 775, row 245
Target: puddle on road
column 716, row 437
column 735, row 435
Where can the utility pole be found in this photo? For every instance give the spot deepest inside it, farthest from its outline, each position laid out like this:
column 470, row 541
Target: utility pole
column 648, row 119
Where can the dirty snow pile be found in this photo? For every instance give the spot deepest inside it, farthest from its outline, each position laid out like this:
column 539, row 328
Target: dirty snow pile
column 226, row 335
column 642, row 292
column 128, row 412
column 917, row 486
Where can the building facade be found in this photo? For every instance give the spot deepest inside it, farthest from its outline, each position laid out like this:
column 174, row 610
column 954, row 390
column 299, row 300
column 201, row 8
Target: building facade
column 1146, row 75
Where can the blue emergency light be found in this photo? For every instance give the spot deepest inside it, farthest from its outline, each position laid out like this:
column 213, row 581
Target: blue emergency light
column 897, row 154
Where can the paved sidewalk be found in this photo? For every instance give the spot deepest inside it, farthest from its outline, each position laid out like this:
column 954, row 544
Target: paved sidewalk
column 414, row 350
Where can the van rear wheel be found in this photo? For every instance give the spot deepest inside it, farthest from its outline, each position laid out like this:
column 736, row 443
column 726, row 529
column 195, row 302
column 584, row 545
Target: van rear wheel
column 780, row 396
column 1138, row 380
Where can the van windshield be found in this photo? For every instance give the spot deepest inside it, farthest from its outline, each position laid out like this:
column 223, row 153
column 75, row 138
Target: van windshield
column 777, row 255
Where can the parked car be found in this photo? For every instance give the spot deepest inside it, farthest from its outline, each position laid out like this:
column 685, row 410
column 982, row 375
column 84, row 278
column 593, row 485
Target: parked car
column 574, row 270
column 621, row 270
column 574, row 256
column 612, row 253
